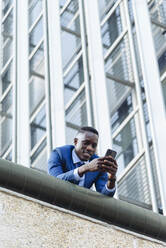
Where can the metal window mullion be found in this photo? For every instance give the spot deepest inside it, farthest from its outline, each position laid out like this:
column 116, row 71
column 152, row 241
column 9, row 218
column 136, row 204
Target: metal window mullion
column 141, row 113
column 7, row 13
column 41, row 105
column 85, row 64
column 74, row 61
column 1, row 55
column 54, row 75
column 38, row 144
column 5, row 93
column 115, row 44
column 65, row 7
column 74, row 97
column 7, row 152
column 73, row 19
column 35, row 49
column 163, row 76
column 110, row 12
column 35, row 22
column 98, row 80
column 153, row 91
column 7, row 64
column 22, row 89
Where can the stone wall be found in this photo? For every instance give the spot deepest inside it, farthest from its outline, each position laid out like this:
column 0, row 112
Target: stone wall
column 28, row 224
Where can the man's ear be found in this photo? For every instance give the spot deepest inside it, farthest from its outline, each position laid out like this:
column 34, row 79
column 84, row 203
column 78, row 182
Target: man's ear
column 75, row 141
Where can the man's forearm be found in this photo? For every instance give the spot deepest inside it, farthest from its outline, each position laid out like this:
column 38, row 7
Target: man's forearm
column 83, row 169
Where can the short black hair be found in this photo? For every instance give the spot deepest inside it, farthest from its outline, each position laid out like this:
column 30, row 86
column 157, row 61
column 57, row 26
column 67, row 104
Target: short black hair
column 88, row 129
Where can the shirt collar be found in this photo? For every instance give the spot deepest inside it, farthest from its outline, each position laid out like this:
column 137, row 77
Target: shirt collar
column 75, row 158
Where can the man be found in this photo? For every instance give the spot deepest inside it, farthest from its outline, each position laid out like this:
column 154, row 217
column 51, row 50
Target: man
column 80, row 165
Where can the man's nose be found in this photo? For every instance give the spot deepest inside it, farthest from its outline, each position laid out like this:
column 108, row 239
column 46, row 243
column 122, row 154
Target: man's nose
column 90, row 147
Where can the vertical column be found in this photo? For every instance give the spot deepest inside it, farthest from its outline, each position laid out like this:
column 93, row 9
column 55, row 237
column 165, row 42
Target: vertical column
column 98, row 81
column 54, row 75
column 153, row 90
column 22, row 132
column 85, row 63
column 141, row 114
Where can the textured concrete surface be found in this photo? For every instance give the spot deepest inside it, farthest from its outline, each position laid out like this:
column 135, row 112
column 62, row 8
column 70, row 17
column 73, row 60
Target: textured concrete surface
column 26, row 224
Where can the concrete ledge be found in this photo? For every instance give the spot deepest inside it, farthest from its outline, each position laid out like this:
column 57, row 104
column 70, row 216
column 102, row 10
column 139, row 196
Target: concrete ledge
column 69, row 196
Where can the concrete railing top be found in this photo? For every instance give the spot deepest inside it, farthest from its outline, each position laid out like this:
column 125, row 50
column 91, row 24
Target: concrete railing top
column 84, row 201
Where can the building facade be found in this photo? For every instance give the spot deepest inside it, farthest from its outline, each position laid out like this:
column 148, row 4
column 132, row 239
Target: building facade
column 70, row 63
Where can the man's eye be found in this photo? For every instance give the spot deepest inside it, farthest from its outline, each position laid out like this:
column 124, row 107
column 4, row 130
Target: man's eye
column 86, row 143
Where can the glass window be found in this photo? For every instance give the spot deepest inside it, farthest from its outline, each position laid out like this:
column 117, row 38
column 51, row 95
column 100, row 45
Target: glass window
column 36, row 35
column 6, row 5
column 118, row 97
column 118, row 63
column 35, row 10
column 37, row 153
column 5, row 135
column 36, row 93
column 134, row 187
column 37, row 62
column 7, row 27
column 6, row 104
column 74, row 42
column 7, row 78
column 76, row 116
column 111, row 29
column 7, row 51
column 38, row 127
column 69, row 13
column 105, row 6
column 122, row 112
column 39, row 159
column 73, row 80
column 125, row 143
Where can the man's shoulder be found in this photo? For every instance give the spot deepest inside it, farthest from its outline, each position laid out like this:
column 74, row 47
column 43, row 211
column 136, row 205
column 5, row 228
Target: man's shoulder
column 64, row 151
column 65, row 148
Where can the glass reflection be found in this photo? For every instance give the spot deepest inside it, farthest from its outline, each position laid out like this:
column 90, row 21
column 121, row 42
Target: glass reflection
column 123, row 111
column 111, row 29
column 35, row 10
column 76, row 116
column 7, row 51
column 6, row 4
column 125, row 143
column 7, row 27
column 7, row 78
column 36, row 93
column 73, row 80
column 38, row 127
column 37, row 62
column 36, row 35
column 6, row 135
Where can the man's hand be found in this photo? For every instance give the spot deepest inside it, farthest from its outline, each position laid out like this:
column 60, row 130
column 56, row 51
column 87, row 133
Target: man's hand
column 92, row 166
column 105, row 164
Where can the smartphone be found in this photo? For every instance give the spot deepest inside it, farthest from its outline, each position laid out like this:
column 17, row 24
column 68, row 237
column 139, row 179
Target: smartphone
column 110, row 152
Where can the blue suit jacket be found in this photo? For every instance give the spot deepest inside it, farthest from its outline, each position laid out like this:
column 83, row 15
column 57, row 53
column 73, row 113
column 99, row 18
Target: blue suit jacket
column 61, row 165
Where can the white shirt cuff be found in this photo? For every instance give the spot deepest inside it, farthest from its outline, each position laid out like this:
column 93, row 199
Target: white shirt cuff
column 76, row 175
column 109, row 190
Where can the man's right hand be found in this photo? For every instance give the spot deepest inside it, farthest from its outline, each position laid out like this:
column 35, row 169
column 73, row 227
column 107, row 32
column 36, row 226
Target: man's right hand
column 94, row 165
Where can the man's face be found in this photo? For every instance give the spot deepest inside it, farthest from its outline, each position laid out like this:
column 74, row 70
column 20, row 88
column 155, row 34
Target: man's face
column 85, row 145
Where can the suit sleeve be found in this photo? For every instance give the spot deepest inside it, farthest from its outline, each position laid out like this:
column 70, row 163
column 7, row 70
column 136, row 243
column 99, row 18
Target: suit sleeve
column 101, row 185
column 55, row 168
